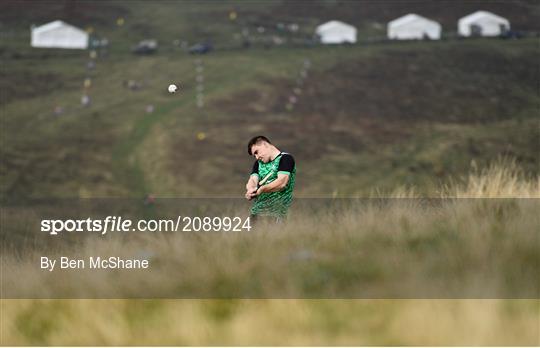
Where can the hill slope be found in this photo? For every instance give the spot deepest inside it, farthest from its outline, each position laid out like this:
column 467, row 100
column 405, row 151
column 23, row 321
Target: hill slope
column 367, row 117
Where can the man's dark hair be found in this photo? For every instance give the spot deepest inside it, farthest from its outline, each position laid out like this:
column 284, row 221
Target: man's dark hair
column 256, row 140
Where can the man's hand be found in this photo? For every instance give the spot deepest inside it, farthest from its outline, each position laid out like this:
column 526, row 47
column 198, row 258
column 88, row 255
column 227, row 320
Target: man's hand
column 275, row 186
column 251, row 193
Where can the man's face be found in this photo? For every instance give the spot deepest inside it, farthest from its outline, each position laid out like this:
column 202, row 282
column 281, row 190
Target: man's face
column 262, row 152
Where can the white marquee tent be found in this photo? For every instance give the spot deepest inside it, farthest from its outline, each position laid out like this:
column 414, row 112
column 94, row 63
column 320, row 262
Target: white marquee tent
column 59, row 34
column 336, row 32
column 482, row 23
column 413, row 26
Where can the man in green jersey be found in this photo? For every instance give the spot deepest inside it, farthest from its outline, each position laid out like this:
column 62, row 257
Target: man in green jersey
column 271, row 182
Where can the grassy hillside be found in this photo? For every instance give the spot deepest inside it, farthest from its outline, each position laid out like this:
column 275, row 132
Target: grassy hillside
column 392, row 119
column 369, row 117
column 209, row 20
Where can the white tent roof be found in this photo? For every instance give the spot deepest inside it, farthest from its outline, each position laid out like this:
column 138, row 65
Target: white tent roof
column 336, row 32
column 473, row 17
column 413, row 26
column 54, row 25
column 409, row 18
column 490, row 24
column 334, row 24
column 59, row 34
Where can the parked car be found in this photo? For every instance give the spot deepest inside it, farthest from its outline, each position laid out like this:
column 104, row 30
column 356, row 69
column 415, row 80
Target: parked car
column 200, row 48
column 145, row 47
column 512, row 34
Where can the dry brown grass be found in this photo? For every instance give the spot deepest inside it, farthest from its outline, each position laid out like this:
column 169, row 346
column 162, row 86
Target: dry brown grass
column 270, row 322
column 455, row 237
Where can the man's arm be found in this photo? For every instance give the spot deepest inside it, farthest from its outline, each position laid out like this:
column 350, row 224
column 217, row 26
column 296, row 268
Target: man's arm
column 285, row 168
column 252, row 183
column 251, row 186
column 276, row 185
column 253, row 180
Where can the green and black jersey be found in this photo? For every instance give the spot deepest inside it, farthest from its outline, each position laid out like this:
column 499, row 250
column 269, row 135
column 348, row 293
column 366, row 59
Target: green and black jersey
column 275, row 204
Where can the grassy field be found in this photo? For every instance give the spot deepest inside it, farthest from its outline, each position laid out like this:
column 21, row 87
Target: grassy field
column 345, row 135
column 441, row 260
column 455, row 119
column 271, row 322
column 369, row 117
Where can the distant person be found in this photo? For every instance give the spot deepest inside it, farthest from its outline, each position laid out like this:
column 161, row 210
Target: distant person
column 271, row 182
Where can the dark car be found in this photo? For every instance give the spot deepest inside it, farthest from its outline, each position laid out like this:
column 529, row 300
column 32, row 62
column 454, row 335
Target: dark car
column 512, row 34
column 200, row 48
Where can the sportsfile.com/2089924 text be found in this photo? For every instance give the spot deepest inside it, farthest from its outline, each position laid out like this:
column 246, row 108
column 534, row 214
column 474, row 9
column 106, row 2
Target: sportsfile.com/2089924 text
column 120, row 224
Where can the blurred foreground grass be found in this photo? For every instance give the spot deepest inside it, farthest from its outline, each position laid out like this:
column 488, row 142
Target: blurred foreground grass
column 364, row 245
column 270, row 322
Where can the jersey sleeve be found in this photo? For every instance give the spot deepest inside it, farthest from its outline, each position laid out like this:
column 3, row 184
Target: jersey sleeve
column 255, row 169
column 286, row 164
